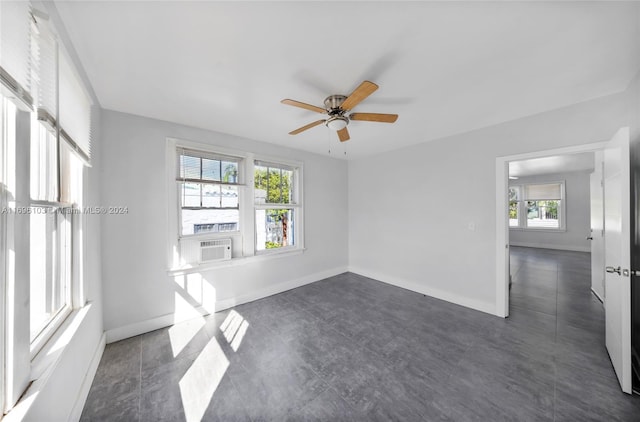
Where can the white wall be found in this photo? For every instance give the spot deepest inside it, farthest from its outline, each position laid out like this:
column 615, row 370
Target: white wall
column 577, row 215
column 139, row 295
column 424, row 217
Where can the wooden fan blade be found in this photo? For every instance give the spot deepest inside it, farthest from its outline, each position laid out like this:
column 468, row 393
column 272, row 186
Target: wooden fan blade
column 303, row 105
column 365, row 89
column 374, row 117
column 343, row 134
column 305, row 127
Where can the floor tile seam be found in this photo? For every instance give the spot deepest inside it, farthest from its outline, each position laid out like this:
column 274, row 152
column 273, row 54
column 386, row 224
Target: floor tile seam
column 139, row 415
column 233, row 383
column 555, row 365
column 180, row 357
column 346, row 402
column 319, row 378
column 362, row 346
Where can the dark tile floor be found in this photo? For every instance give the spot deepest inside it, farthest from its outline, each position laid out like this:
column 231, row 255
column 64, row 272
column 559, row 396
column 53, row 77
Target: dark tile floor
column 353, row 349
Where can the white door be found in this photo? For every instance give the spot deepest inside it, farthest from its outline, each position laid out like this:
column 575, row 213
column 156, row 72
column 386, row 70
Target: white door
column 617, row 256
column 597, row 229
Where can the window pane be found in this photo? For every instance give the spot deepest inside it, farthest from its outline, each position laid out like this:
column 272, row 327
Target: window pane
column 229, row 172
column 49, row 266
column 272, row 185
column 543, row 214
column 229, row 196
column 189, row 167
column 209, row 221
column 44, row 162
column 210, row 170
column 513, row 213
column 211, row 196
column 514, row 194
column 274, row 228
column 191, row 194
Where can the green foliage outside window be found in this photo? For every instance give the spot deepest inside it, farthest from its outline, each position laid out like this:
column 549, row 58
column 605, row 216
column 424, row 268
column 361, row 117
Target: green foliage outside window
column 276, row 182
column 513, row 210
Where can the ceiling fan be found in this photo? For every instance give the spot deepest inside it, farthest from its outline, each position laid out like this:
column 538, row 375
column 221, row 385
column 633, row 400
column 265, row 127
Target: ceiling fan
column 338, row 107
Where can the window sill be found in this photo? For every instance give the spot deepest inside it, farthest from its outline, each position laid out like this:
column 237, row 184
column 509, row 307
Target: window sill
column 541, row 229
column 49, row 330
column 209, row 235
column 48, row 356
column 195, row 268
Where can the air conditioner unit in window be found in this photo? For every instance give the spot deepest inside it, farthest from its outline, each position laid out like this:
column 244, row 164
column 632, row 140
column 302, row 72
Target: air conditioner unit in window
column 215, row 250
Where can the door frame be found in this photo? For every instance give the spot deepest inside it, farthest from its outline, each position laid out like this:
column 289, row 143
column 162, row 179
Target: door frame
column 502, row 215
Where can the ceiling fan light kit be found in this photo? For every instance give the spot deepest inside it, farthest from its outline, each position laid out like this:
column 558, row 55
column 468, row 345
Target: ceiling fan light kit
column 337, row 122
column 337, row 107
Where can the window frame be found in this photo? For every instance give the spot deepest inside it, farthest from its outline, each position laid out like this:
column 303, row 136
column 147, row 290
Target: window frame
column 71, row 277
column 243, row 240
column 294, row 204
column 239, row 159
column 7, row 185
column 63, row 272
column 522, row 207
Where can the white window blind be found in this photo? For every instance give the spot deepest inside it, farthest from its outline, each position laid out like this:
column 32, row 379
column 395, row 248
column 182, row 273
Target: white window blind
column 207, row 167
column 75, row 109
column 547, row 191
column 47, row 76
column 16, row 42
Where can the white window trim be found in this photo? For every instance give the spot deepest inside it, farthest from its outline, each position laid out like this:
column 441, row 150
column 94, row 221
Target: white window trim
column 6, row 170
column 240, row 185
column 522, row 214
column 74, row 294
column 246, row 235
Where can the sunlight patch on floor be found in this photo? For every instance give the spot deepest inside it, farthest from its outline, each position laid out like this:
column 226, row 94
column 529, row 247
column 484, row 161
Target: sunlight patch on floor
column 234, row 328
column 201, row 380
column 181, row 334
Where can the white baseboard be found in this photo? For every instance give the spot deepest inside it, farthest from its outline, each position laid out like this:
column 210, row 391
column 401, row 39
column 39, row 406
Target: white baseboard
column 76, row 412
column 597, row 295
column 478, row 305
column 137, row 328
column 167, row 320
column 552, row 246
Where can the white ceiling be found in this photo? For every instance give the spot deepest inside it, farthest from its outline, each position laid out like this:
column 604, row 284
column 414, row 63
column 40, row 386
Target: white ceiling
column 444, row 67
column 551, row 165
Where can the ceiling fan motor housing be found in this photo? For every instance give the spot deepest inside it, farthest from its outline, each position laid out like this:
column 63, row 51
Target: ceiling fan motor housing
column 337, row 119
column 333, row 103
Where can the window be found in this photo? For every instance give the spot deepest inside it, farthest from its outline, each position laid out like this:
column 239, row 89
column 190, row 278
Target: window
column 514, row 197
column 276, row 205
column 208, row 189
column 537, row 206
column 214, row 202
column 50, row 257
column 59, row 149
column 7, row 188
column 41, row 196
column 56, row 192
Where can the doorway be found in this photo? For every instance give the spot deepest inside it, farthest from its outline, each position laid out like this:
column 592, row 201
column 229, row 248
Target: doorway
column 617, row 209
column 502, row 218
